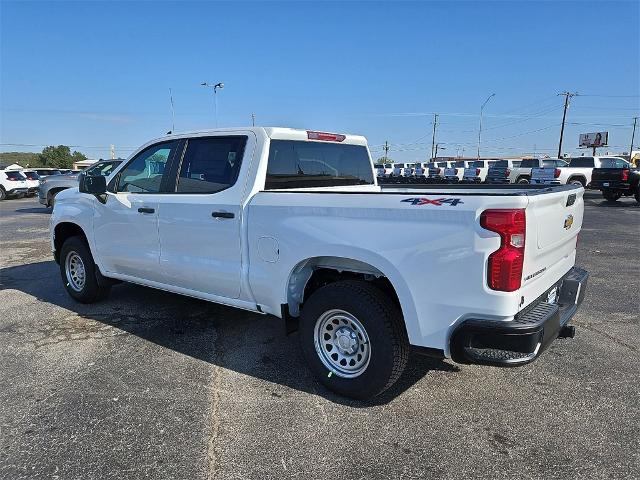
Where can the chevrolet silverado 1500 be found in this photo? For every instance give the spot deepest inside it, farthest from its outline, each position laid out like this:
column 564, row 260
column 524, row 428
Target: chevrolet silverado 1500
column 292, row 223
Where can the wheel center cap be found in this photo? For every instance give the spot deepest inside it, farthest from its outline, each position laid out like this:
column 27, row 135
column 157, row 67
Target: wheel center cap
column 346, row 340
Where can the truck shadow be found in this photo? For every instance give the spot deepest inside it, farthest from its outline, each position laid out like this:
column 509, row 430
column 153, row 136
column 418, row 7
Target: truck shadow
column 233, row 339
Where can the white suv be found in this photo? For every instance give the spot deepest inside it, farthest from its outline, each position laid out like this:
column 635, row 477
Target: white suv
column 12, row 184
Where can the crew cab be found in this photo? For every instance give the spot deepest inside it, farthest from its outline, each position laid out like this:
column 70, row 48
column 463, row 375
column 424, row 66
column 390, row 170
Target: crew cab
column 293, row 223
column 551, row 173
column 617, row 179
column 581, row 168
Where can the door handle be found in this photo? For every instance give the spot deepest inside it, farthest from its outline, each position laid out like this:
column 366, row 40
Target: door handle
column 222, row 215
column 146, row 210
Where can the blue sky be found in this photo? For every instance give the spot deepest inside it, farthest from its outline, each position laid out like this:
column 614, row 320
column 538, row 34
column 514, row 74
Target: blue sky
column 98, row 73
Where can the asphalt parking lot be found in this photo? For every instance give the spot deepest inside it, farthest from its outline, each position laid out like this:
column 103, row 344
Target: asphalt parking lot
column 149, row 384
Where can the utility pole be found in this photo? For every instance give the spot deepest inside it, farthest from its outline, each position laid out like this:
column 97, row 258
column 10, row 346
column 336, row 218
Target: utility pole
column 253, row 119
column 386, row 150
column 433, row 137
column 633, row 136
column 567, row 96
column 112, row 151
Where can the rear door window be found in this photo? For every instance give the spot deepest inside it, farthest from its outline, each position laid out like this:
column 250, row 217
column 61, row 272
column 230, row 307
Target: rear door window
column 210, row 164
column 15, row 175
column 299, row 164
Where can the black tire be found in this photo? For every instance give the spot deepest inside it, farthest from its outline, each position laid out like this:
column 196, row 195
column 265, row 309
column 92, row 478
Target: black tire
column 90, row 290
column 575, row 181
column 611, row 195
column 523, row 181
column 383, row 323
column 637, row 194
column 3, row 193
column 52, row 199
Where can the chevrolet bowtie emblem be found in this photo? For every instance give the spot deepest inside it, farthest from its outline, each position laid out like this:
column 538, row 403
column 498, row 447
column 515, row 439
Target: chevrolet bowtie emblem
column 568, row 222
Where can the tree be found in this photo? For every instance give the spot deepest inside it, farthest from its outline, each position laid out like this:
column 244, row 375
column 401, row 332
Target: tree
column 59, row 157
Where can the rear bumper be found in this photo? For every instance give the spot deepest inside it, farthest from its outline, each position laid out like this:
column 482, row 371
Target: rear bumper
column 518, row 342
column 611, row 185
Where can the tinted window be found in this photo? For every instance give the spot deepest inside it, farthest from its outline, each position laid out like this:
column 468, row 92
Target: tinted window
column 529, row 163
column 48, row 172
column 388, row 165
column 501, row 164
column 296, row 164
column 103, row 168
column 584, row 162
column 459, row 164
column 378, row 165
column 399, row 165
column 31, row 175
column 144, row 173
column 210, row 164
column 477, row 164
column 15, row 176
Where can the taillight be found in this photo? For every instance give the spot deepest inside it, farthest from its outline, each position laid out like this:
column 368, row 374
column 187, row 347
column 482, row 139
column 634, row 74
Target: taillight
column 12, row 179
column 507, row 172
column 556, row 173
column 324, row 136
column 477, row 171
column 504, row 268
column 625, row 175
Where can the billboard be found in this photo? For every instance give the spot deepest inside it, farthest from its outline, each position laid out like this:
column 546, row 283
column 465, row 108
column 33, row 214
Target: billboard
column 597, row 139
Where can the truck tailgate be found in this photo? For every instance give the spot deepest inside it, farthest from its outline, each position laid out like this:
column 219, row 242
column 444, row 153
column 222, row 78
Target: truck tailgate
column 553, row 223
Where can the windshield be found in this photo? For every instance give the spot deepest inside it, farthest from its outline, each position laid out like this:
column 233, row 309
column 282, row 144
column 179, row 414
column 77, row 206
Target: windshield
column 103, row 169
column 477, row 164
column 459, row 164
column 299, row 164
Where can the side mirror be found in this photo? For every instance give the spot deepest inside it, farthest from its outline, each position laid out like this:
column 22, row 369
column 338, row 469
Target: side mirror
column 94, row 185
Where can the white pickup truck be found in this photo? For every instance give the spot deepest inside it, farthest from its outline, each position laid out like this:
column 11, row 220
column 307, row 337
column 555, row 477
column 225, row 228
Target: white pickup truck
column 292, row 223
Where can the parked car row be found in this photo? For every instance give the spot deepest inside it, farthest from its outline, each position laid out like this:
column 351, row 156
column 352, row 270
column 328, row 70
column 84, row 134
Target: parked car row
column 46, row 182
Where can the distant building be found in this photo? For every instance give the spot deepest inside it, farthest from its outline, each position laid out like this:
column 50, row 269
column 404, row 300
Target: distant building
column 82, row 164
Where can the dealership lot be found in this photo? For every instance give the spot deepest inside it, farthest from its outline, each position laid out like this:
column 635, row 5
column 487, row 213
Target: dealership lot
column 151, row 384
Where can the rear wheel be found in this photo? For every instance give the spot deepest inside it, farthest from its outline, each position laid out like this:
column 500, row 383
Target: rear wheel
column 637, row 194
column 523, row 180
column 3, row 193
column 78, row 272
column 575, row 181
column 611, row 195
column 353, row 338
column 52, row 199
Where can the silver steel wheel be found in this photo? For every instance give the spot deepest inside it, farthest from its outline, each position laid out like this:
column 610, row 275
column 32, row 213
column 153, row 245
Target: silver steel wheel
column 342, row 343
column 76, row 273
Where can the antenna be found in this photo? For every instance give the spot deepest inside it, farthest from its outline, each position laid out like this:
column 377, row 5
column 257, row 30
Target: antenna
column 173, row 114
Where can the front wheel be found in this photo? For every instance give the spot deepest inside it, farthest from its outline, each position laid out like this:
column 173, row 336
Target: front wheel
column 353, row 338
column 78, row 272
column 611, row 195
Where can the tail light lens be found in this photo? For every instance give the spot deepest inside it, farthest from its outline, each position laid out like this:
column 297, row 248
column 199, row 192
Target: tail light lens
column 504, row 268
column 477, row 171
column 556, row 173
column 507, row 172
column 625, row 175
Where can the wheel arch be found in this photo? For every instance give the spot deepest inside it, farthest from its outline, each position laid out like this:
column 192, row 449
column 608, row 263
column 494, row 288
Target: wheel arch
column 580, row 177
column 64, row 230
column 310, row 274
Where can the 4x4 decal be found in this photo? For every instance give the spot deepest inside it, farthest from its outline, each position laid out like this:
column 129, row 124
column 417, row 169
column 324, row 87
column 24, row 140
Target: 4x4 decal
column 435, row 201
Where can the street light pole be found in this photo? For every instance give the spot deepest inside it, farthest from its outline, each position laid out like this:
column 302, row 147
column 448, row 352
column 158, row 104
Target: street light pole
column 215, row 87
column 480, row 129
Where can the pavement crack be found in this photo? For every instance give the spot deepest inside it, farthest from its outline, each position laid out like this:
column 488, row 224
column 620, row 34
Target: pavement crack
column 588, row 326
